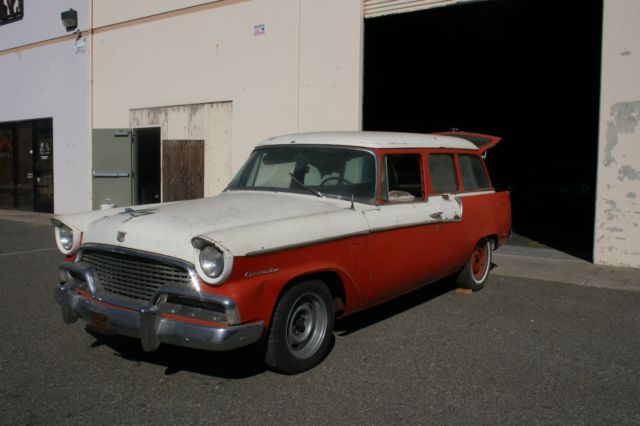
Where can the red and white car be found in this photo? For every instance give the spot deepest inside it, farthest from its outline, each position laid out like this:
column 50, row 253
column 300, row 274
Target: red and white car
column 313, row 227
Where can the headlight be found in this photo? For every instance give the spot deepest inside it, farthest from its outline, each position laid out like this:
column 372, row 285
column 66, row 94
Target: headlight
column 211, row 261
column 66, row 237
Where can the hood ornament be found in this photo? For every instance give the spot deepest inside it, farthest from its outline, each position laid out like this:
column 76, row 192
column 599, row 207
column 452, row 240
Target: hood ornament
column 136, row 213
column 120, row 236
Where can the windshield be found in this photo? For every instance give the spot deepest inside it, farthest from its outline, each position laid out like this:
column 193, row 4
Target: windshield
column 314, row 170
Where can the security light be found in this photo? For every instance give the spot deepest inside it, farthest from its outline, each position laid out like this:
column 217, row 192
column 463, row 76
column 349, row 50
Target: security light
column 69, row 19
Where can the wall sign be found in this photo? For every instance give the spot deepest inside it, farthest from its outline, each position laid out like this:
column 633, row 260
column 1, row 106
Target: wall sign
column 259, row 30
column 10, row 11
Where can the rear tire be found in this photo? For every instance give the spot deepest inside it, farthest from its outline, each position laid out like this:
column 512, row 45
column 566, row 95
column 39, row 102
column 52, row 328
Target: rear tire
column 301, row 328
column 475, row 273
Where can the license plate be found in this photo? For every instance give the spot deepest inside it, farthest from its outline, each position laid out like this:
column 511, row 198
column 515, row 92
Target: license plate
column 99, row 323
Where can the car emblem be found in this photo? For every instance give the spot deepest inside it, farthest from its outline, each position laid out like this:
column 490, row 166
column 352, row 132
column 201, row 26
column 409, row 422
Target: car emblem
column 121, row 236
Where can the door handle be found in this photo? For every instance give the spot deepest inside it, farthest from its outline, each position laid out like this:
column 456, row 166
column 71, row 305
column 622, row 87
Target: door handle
column 436, row 215
column 110, row 174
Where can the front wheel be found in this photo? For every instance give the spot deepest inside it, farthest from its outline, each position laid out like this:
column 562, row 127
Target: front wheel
column 301, row 328
column 475, row 273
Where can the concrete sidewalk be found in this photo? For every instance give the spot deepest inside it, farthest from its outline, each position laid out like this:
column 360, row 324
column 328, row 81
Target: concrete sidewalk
column 544, row 263
column 522, row 258
column 26, row 216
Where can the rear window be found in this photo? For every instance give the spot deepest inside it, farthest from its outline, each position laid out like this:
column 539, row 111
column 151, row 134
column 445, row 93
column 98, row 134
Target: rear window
column 443, row 173
column 473, row 174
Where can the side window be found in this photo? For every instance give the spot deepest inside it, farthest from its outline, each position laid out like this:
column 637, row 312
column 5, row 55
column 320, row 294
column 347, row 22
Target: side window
column 443, row 173
column 402, row 180
column 473, row 174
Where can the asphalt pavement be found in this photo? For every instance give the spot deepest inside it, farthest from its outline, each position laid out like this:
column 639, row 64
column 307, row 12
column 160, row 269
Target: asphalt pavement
column 521, row 351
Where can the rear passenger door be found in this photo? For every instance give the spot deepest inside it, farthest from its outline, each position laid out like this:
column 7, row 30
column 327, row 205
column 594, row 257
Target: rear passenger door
column 461, row 175
column 407, row 250
column 443, row 188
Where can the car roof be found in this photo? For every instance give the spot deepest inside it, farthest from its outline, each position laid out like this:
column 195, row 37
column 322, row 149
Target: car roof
column 371, row 140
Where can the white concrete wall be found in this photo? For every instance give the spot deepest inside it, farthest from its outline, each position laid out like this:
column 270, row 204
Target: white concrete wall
column 617, row 228
column 50, row 80
column 294, row 77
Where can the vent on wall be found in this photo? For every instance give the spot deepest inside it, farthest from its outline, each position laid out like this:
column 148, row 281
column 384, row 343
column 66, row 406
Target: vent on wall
column 373, row 8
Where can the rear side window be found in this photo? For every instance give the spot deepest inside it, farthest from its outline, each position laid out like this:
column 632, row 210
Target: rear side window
column 402, row 179
column 473, row 174
column 443, row 173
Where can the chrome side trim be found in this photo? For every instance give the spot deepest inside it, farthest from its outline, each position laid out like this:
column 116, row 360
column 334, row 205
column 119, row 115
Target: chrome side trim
column 474, row 193
column 347, row 236
column 306, row 243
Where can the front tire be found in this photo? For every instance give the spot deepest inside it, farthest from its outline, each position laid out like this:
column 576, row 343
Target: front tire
column 475, row 273
column 301, row 328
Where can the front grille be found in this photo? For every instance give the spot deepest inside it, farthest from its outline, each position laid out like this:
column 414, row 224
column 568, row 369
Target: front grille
column 134, row 277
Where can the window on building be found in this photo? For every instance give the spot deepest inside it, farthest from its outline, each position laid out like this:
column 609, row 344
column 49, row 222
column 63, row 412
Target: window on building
column 473, row 173
column 443, row 173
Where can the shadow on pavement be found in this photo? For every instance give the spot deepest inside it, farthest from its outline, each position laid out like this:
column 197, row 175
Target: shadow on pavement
column 247, row 362
column 393, row 307
column 238, row 364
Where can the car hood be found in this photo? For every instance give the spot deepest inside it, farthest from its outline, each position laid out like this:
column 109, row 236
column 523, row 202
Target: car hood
column 242, row 222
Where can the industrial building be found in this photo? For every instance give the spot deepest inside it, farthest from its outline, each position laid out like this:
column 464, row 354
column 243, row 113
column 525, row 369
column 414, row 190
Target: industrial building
column 157, row 100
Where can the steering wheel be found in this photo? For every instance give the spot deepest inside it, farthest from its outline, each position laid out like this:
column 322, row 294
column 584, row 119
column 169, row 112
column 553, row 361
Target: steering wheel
column 340, row 180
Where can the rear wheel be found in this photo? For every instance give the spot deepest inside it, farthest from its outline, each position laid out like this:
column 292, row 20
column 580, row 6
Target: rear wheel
column 301, row 329
column 475, row 273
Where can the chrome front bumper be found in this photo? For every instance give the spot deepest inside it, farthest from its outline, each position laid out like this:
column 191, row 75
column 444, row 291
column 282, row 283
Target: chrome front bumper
column 148, row 324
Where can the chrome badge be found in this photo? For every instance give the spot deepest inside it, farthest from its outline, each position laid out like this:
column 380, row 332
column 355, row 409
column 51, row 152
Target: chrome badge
column 121, row 236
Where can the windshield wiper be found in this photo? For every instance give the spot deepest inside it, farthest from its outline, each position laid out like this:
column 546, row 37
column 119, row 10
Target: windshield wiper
column 302, row 185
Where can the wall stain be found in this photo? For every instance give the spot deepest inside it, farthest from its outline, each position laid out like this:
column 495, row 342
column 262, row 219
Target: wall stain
column 631, row 195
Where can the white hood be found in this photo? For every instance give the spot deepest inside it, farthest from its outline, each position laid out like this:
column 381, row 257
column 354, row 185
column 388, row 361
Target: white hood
column 243, row 222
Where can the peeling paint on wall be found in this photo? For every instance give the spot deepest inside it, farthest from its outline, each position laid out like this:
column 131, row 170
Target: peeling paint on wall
column 625, row 118
column 631, row 195
column 628, row 172
column 613, row 212
column 614, row 229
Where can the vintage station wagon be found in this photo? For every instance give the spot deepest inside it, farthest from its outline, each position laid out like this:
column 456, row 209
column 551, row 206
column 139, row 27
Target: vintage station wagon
column 313, row 227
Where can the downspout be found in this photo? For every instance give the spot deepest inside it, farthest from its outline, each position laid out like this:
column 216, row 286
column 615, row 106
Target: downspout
column 90, row 130
column 298, row 70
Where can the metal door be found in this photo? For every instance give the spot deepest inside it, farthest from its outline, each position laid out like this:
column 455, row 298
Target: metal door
column 112, row 167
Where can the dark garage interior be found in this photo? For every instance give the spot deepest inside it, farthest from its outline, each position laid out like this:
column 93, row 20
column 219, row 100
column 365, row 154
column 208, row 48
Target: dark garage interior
column 526, row 71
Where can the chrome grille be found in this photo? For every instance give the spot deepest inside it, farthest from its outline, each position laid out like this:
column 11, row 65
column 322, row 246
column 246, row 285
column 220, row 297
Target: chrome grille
column 134, row 277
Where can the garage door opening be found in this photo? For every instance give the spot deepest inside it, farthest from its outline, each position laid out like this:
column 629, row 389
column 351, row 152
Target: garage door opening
column 526, row 71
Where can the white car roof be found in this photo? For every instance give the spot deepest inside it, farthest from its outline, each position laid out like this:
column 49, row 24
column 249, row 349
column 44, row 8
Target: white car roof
column 371, row 140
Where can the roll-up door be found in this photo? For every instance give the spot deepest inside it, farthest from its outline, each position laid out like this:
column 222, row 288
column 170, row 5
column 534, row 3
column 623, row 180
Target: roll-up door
column 374, row 8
